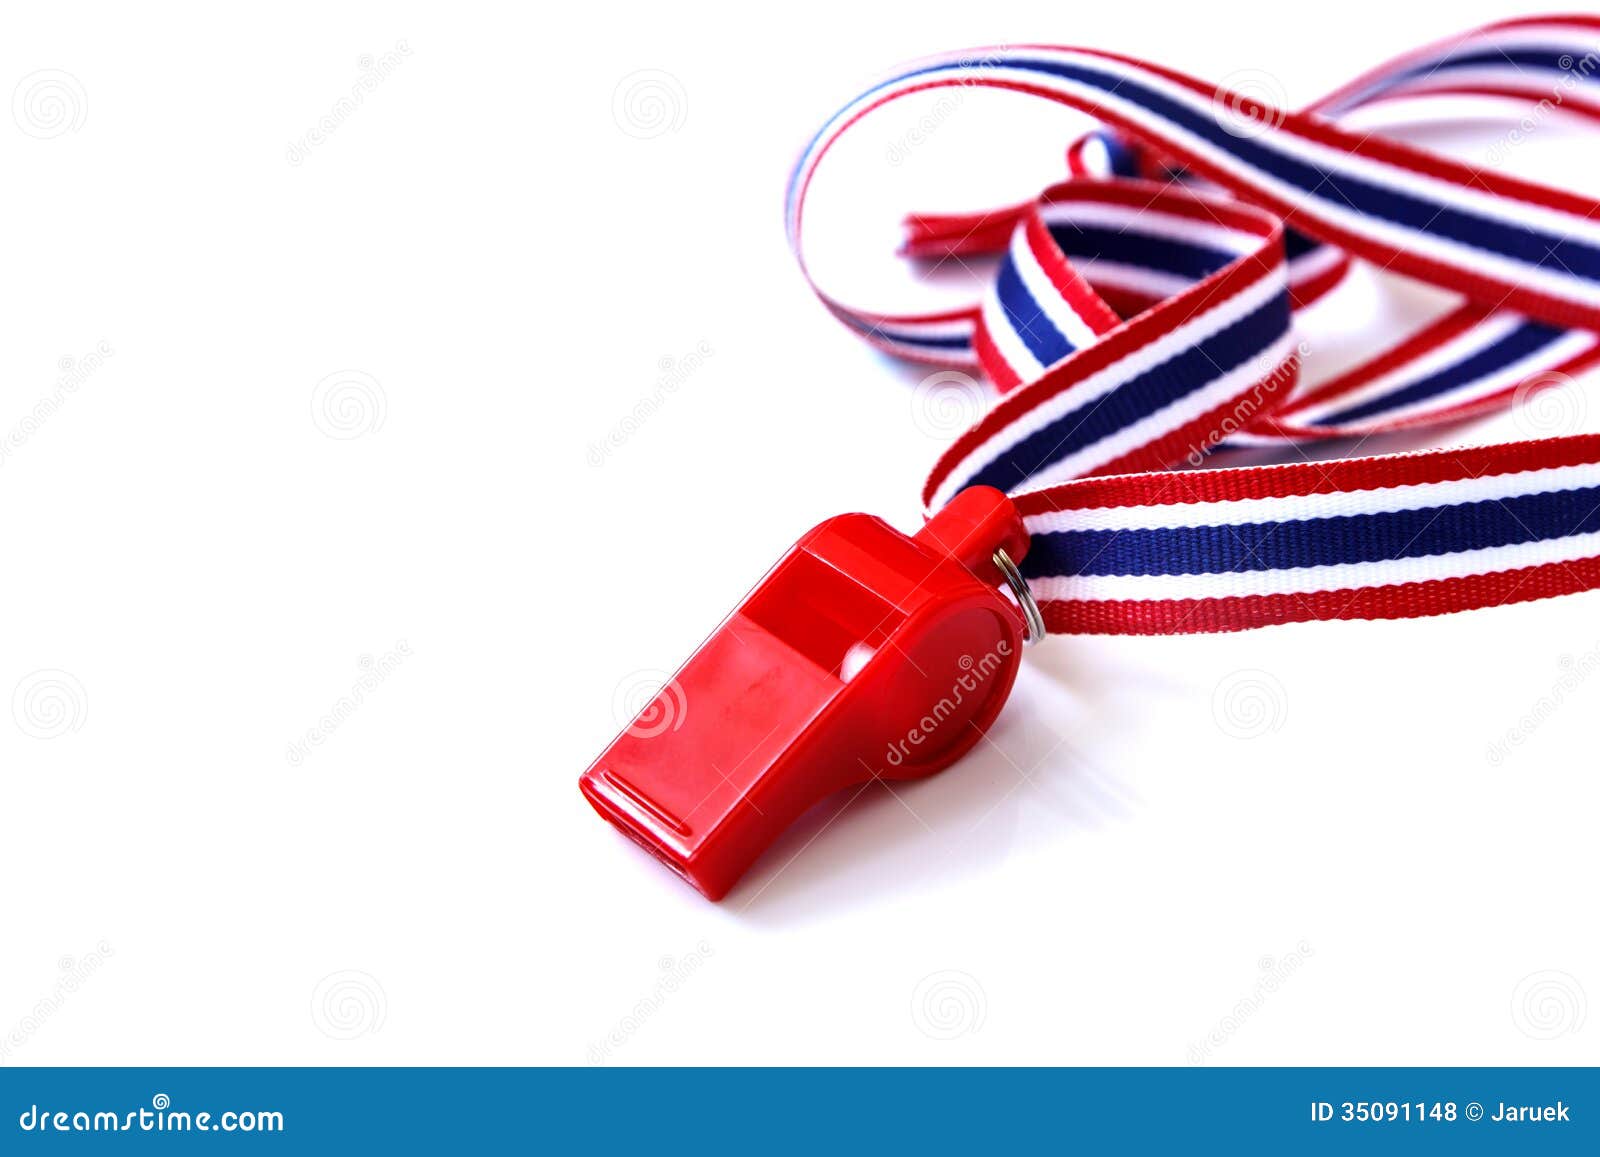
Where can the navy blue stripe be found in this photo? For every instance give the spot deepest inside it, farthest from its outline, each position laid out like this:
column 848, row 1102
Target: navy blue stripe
column 1526, row 244
column 952, row 342
column 1297, row 244
column 1123, row 160
column 1544, row 59
column 1524, row 341
column 1133, row 248
column 1317, row 541
column 1547, row 250
column 1521, row 242
column 1037, row 331
column 1180, row 375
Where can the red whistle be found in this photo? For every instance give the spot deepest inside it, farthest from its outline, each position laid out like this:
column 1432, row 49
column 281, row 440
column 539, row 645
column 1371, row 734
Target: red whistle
column 863, row 654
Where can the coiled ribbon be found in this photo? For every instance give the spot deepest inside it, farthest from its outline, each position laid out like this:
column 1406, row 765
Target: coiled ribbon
column 1143, row 315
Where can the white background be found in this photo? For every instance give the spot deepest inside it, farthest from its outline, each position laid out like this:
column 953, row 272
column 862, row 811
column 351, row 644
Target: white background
column 1284, row 846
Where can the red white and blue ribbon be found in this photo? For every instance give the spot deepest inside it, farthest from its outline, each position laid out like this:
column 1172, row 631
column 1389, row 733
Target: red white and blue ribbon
column 1142, row 316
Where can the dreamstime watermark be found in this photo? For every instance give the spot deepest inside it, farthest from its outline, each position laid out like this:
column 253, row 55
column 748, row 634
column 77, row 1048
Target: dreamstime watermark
column 1250, row 404
column 1574, row 72
column 75, row 971
column 374, row 672
column 1549, row 405
column 160, row 1117
column 950, row 97
column 1575, row 671
column 675, row 973
column 1275, row 972
column 674, row 372
column 947, row 402
column 649, row 103
column 74, row 372
column 1249, row 704
column 374, row 70
column 649, row 703
column 50, row 703
column 1546, row 1005
column 1250, row 103
column 949, row 1004
column 49, row 103
column 974, row 674
column 349, row 1004
column 349, row 404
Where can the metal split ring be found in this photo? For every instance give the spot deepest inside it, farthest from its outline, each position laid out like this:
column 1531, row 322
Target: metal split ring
column 1019, row 587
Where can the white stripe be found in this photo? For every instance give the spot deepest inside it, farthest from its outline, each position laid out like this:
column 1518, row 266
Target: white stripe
column 1580, row 41
column 1133, row 278
column 911, row 329
column 1313, row 579
column 1151, row 222
column 1102, row 382
column 1480, row 337
column 1300, row 507
column 1569, row 346
column 1011, row 347
column 1046, row 296
column 1398, row 236
column 935, row 355
column 1170, row 417
column 1479, row 202
column 1314, row 263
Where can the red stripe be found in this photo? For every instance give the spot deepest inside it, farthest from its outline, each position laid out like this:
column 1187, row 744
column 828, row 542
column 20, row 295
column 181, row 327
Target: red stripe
column 1313, row 477
column 1304, row 291
column 999, row 370
column 1424, row 341
column 1130, row 337
column 1074, row 290
column 1464, row 410
column 1193, row 441
column 1398, row 601
column 1173, row 200
column 1535, row 93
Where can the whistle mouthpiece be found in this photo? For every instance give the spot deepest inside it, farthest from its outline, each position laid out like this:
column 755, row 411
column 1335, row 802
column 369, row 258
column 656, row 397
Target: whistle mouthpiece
column 863, row 654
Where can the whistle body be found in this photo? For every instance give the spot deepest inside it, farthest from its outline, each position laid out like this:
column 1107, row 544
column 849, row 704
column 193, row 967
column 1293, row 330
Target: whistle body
column 863, row 654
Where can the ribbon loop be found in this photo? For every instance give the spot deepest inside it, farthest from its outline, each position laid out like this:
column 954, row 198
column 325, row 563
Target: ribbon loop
column 1142, row 317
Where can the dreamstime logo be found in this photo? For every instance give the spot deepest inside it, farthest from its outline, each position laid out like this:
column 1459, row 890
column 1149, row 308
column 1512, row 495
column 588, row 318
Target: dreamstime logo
column 950, row 1004
column 1249, row 704
column 374, row 71
column 49, row 103
column 946, row 403
column 73, row 373
column 374, row 672
column 350, row 1004
column 1547, row 1005
column 1250, row 103
column 674, row 372
column 974, row 673
column 1549, row 405
column 49, row 704
column 74, row 972
column 675, row 973
column 1575, row 72
column 649, row 703
column 649, row 103
column 347, row 404
column 1250, row 404
column 1275, row 971
column 1574, row 673
column 948, row 100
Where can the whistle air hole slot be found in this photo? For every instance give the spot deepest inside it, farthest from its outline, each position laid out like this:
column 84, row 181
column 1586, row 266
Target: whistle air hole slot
column 824, row 615
column 655, row 849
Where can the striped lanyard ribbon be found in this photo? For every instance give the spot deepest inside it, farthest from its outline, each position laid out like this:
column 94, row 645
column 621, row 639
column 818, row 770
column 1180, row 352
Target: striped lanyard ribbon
column 1142, row 319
